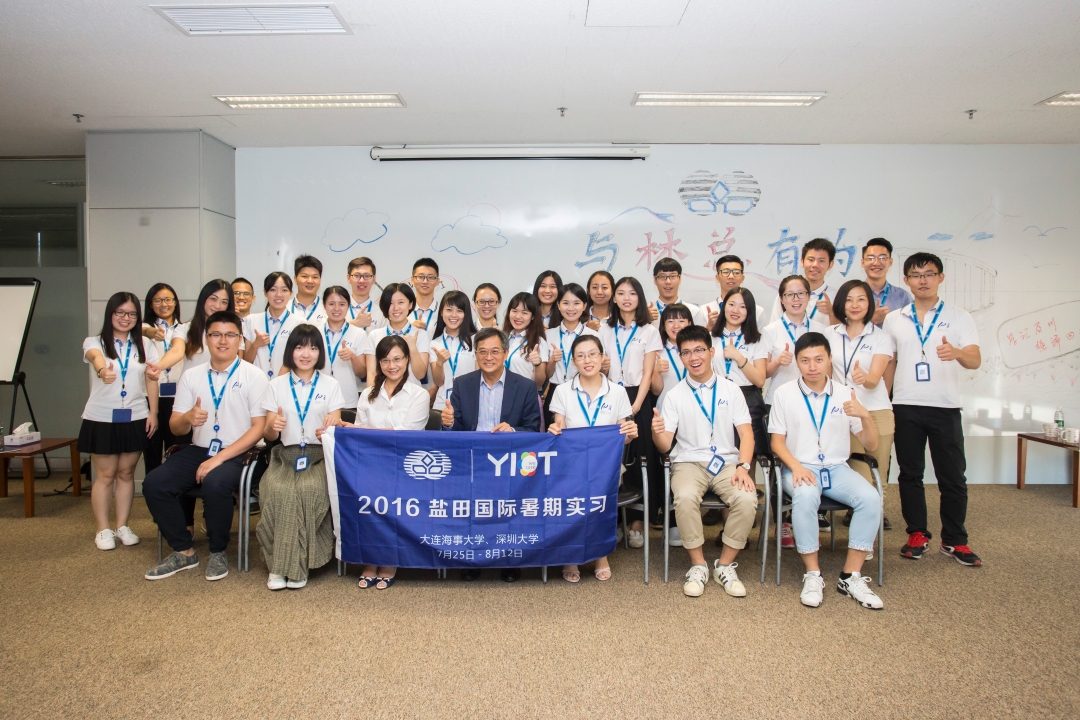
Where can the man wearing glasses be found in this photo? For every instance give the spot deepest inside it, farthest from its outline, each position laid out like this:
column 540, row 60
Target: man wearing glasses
column 876, row 263
column 933, row 341
column 729, row 275
column 243, row 295
column 425, row 278
column 667, row 276
column 364, row 310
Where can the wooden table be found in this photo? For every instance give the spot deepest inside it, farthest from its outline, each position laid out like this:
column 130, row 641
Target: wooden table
column 1021, row 460
column 27, row 453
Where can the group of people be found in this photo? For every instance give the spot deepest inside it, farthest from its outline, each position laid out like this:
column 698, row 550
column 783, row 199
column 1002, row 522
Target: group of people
column 844, row 370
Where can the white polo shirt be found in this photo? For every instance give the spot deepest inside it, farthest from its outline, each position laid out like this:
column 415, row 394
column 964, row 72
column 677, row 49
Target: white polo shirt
column 278, row 329
column 158, row 350
column 408, row 410
column 518, row 361
column 774, row 337
column 697, row 315
column 847, row 351
column 312, row 314
column 242, row 400
column 426, row 316
column 423, row 344
column 943, row 388
column 714, row 307
column 697, row 436
column 353, row 338
column 609, row 407
column 730, row 368
column 106, row 398
column 562, row 338
column 634, row 341
column 462, row 360
column 371, row 307
column 811, row 308
column 325, row 395
column 199, row 358
column 789, row 416
column 674, row 374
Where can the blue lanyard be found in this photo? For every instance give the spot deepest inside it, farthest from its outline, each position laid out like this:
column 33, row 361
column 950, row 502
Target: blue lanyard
column 735, row 344
column 334, row 351
column 214, row 394
column 929, row 330
column 273, row 343
column 302, row 414
column 510, row 355
column 454, row 362
column 849, row 362
column 354, row 308
column 621, row 350
column 585, row 409
column 565, row 355
column 790, row 333
column 426, row 313
column 391, row 331
column 674, row 367
column 314, row 306
column 660, row 306
column 818, row 425
column 820, row 295
column 884, row 294
column 711, row 417
column 123, row 369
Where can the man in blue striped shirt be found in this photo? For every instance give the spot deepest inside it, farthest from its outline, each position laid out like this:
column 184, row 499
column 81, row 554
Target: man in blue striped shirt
column 876, row 262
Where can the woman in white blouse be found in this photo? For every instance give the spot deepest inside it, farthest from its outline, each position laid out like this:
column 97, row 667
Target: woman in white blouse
column 669, row 371
column 741, row 356
column 780, row 335
column 391, row 403
column 601, row 286
column 161, row 321
column 296, row 530
column 397, row 303
column 529, row 348
column 452, row 345
column 486, row 299
column 266, row 333
column 120, row 414
column 567, row 326
column 344, row 343
column 188, row 343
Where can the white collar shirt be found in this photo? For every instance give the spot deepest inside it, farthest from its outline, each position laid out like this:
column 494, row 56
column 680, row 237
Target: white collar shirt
column 790, row 417
column 634, row 341
column 846, row 351
column 943, row 389
column 278, row 329
column 697, row 436
column 811, row 308
column 407, row 410
column 518, row 359
column 563, row 339
column 730, row 369
column 778, row 334
column 106, row 398
column 674, row 374
column 325, row 397
column 350, row 337
column 462, row 360
column 241, row 399
column 610, row 406
column 312, row 314
column 423, row 344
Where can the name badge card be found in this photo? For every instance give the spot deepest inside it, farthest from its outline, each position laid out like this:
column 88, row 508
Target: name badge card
column 826, row 479
column 301, row 463
column 214, row 449
column 167, row 389
column 121, row 415
column 922, row 372
column 715, row 465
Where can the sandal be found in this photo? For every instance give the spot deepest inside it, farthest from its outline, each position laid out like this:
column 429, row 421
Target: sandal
column 571, row 576
column 367, row 581
column 383, row 583
column 603, row 574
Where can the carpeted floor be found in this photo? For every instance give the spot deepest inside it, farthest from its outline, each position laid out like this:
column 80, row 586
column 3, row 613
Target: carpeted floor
column 84, row 636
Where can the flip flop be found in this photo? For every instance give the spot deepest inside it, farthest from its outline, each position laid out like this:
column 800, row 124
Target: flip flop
column 367, row 581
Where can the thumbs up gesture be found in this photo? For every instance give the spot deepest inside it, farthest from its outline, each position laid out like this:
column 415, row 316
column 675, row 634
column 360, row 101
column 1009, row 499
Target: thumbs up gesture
column 534, row 356
column 556, row 354
column 108, row 375
column 362, row 319
column 261, row 340
column 854, row 408
column 447, row 416
column 713, row 315
column 947, row 351
column 346, row 352
column 657, row 422
column 662, row 366
column 654, row 314
column 786, row 357
column 441, row 355
column 279, row 421
column 159, row 333
column 196, row 415
column 152, row 371
column 555, row 428
column 857, row 375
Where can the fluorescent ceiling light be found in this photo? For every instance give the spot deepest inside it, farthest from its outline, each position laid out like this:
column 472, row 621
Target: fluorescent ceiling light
column 338, row 100
column 247, row 19
column 727, row 99
column 512, row 152
column 1065, row 99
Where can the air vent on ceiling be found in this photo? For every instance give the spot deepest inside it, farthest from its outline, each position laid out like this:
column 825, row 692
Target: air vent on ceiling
column 290, row 19
column 66, row 183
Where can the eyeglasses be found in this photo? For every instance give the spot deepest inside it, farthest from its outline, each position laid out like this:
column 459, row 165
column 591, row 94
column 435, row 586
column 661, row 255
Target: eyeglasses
column 594, row 355
column 487, row 303
column 663, row 277
column 242, row 294
column 696, row 352
column 390, row 361
column 923, row 276
column 365, row 277
column 159, row 302
column 215, row 336
column 425, row 278
column 797, row 295
column 876, row 258
column 489, row 353
column 122, row 314
column 731, row 273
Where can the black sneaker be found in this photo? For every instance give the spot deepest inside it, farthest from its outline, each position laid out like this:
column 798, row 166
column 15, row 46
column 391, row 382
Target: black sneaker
column 962, row 554
column 915, row 547
column 823, row 522
column 712, row 517
column 849, row 513
column 886, row 523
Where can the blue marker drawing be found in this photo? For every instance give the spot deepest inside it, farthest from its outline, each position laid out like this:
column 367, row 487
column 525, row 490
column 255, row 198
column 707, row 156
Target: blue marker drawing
column 980, row 236
column 666, row 217
column 1043, row 233
column 785, row 255
column 595, row 251
column 848, row 250
column 468, row 235
column 356, row 226
column 940, row 236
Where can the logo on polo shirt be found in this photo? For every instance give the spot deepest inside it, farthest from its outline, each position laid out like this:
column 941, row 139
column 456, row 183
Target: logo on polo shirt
column 427, row 465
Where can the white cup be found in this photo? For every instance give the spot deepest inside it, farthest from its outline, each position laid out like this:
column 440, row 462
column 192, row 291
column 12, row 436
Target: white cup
column 1070, row 435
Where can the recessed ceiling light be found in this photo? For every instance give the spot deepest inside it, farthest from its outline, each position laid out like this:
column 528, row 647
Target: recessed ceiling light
column 66, row 183
column 338, row 100
column 1065, row 99
column 727, row 99
column 246, row 19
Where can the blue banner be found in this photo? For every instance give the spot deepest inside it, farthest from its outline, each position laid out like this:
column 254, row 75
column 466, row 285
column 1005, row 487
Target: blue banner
column 472, row 499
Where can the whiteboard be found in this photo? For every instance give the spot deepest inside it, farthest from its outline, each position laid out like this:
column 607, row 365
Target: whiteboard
column 1004, row 219
column 17, row 297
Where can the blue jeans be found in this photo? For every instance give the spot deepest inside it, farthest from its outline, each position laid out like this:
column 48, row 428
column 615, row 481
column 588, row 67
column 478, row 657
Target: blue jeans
column 848, row 487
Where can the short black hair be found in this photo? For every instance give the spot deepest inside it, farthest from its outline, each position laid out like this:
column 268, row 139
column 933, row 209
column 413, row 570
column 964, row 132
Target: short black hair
column 225, row 316
column 271, row 280
column 583, row 338
column 819, row 244
column 243, row 280
column 425, row 262
column 487, row 286
column 360, row 262
column 812, row 340
column 690, row 333
column 841, row 299
column 730, row 259
column 879, row 242
column 307, row 261
column 387, row 297
column 674, row 310
column 304, row 335
column 668, row 264
column 487, row 333
column 922, row 259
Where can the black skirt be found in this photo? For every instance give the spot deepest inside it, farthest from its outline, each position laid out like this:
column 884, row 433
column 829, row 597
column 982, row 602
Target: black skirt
column 755, row 403
column 103, row 438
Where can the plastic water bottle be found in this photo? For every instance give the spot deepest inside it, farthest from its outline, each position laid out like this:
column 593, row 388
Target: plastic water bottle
column 1059, row 418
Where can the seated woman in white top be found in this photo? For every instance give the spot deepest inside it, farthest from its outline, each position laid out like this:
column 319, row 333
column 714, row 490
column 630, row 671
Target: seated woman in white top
column 486, row 299
column 668, row 370
column 161, row 321
column 391, row 403
column 588, row 400
column 452, row 344
column 188, row 343
column 529, row 349
column 780, row 336
column 344, row 343
column 120, row 414
column 397, row 303
column 266, row 333
column 566, row 327
column 296, row 530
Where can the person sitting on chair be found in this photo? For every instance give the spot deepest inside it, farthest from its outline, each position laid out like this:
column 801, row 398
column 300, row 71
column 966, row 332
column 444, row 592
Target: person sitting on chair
column 492, row 399
column 811, row 423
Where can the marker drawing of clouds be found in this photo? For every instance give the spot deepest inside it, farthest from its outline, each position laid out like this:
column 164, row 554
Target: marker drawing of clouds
column 358, row 226
column 474, row 232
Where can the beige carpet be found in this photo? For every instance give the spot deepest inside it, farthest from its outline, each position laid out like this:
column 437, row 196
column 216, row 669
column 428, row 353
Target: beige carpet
column 84, row 636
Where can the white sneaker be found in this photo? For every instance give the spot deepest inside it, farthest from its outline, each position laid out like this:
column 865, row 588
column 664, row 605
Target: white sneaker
column 696, row 577
column 296, row 584
column 812, row 585
column 858, row 587
column 105, row 540
column 276, row 582
column 726, row 576
column 637, row 538
column 674, row 537
column 619, row 535
column 126, row 536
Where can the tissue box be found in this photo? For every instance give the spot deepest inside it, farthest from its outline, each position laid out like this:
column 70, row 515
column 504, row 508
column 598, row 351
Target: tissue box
column 23, row 439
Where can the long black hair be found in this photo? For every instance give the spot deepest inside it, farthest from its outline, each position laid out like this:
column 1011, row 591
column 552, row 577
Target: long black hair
column 304, row 334
column 611, row 281
column 383, row 349
column 151, row 313
column 134, row 335
column 271, row 280
column 460, row 300
column 558, row 294
column 575, row 290
column 750, row 331
column 198, row 320
column 674, row 310
column 642, row 316
column 535, row 331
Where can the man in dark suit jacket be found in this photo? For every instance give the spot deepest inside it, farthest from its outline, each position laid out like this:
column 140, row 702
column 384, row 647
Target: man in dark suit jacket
column 492, row 399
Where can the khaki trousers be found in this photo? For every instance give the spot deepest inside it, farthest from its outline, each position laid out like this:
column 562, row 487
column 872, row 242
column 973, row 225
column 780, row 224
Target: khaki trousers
column 689, row 483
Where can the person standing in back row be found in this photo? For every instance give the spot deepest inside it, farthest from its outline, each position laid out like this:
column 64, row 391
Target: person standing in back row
column 933, row 341
column 818, row 256
column 876, row 263
column 306, row 305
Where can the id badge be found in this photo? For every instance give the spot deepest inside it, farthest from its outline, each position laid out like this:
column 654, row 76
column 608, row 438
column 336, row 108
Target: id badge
column 301, row 463
column 715, row 465
column 449, row 391
column 121, row 415
column 166, row 390
column 922, row 372
column 826, row 479
column 214, row 449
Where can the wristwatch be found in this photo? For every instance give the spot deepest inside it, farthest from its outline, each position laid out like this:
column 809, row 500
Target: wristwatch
column 745, row 466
